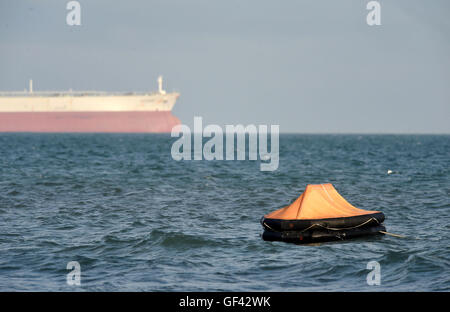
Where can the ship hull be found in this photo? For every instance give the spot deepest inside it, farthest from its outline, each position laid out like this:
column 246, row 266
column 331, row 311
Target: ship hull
column 108, row 122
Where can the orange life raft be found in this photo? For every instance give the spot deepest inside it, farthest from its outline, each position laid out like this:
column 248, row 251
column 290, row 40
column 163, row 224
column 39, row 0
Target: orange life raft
column 320, row 214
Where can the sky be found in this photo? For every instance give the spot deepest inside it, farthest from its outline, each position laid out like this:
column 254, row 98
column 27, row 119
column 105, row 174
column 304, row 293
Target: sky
column 309, row 66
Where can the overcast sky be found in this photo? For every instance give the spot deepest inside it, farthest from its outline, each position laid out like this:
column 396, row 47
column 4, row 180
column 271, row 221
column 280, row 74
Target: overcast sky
column 309, row 66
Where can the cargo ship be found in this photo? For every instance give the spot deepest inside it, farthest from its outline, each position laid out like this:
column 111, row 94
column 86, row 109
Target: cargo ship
column 88, row 111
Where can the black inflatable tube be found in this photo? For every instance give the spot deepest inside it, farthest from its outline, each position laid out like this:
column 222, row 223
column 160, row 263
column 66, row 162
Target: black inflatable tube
column 297, row 225
column 316, row 236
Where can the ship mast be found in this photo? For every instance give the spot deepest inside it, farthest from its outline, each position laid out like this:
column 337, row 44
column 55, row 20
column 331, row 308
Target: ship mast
column 160, row 89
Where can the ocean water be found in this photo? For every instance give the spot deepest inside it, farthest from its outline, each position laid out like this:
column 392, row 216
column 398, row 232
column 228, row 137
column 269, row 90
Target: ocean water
column 136, row 220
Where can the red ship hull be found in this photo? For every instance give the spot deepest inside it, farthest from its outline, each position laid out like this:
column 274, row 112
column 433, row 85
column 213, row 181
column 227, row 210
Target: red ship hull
column 113, row 122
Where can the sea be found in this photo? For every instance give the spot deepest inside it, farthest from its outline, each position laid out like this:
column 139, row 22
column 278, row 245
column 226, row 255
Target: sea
column 135, row 219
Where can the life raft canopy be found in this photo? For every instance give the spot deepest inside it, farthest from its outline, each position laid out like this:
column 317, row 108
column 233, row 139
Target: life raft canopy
column 321, row 207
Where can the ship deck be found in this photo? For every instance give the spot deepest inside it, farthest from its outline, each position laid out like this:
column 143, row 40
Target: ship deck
column 71, row 93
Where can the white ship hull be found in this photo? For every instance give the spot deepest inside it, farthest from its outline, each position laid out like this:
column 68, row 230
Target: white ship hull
column 89, row 103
